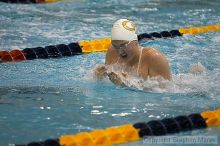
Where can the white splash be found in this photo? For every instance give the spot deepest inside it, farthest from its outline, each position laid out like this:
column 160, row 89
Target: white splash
column 216, row 39
column 194, row 81
column 197, row 68
column 197, row 80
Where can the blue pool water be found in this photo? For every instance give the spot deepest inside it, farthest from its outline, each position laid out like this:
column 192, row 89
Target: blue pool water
column 43, row 99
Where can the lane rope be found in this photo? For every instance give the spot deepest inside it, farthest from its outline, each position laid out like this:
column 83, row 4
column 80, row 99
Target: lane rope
column 98, row 45
column 134, row 132
column 29, row 1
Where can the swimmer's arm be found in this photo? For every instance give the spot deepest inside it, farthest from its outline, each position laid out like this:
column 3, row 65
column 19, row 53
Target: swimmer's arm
column 118, row 79
column 100, row 71
column 159, row 66
column 107, row 57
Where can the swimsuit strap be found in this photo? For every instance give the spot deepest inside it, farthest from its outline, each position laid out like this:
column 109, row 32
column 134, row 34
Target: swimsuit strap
column 115, row 63
column 139, row 60
column 117, row 60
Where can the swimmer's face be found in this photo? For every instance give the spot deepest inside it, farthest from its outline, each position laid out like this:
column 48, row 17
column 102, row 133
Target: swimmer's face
column 121, row 46
column 118, row 44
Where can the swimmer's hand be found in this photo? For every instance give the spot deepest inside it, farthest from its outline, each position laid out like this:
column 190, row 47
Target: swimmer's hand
column 118, row 78
column 100, row 71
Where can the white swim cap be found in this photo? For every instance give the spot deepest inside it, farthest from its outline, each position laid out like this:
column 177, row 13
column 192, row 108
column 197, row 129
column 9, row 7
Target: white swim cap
column 124, row 29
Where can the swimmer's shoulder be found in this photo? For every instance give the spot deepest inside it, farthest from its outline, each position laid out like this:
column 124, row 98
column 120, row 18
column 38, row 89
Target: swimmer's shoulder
column 150, row 52
column 153, row 55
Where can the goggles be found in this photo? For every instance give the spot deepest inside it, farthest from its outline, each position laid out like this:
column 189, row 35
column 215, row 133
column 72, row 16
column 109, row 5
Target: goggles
column 121, row 46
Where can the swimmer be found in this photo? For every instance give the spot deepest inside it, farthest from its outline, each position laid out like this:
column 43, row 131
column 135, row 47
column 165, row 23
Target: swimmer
column 131, row 58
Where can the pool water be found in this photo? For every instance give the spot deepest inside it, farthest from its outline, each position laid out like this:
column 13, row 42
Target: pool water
column 41, row 99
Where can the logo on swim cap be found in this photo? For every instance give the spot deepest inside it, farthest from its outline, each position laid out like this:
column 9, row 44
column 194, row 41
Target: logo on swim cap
column 123, row 29
column 128, row 25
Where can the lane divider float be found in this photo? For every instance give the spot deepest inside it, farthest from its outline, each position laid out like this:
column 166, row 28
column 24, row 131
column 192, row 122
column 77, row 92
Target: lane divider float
column 134, row 132
column 29, row 1
column 98, row 45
